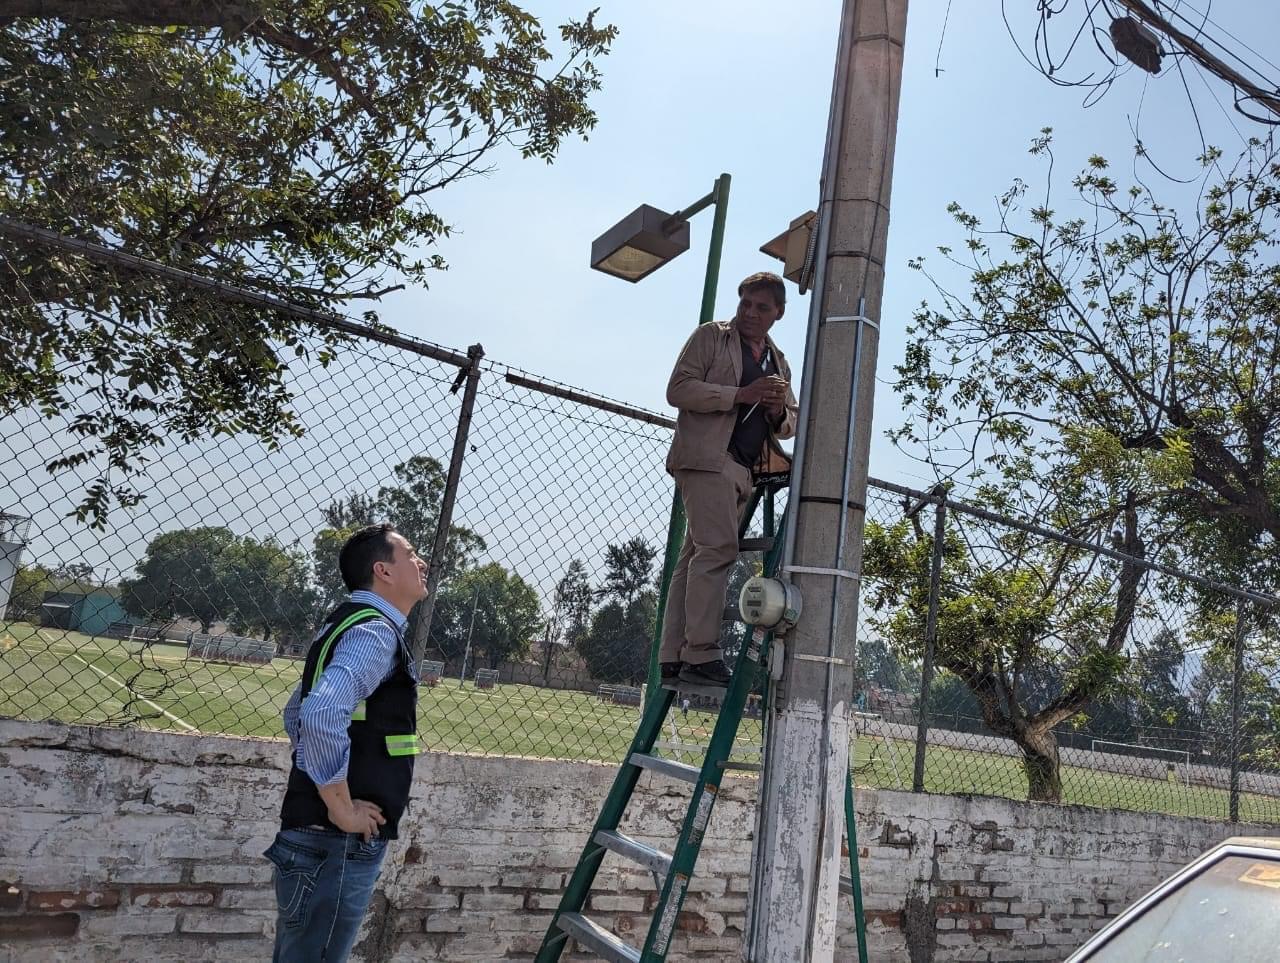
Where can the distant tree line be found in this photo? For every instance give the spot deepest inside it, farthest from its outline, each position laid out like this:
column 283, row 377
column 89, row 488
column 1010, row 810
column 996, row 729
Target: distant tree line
column 261, row 587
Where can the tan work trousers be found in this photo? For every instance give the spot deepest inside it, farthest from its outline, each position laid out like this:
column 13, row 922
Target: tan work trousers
column 713, row 503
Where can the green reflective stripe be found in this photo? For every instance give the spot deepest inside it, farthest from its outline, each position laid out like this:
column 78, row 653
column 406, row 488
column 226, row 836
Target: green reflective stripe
column 402, row 745
column 360, row 713
column 346, row 623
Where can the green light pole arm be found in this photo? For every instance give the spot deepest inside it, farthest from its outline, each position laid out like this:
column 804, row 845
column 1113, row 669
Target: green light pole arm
column 719, row 196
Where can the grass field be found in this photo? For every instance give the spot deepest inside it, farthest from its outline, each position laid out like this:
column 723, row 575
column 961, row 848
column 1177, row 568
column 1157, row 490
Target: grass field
column 53, row 674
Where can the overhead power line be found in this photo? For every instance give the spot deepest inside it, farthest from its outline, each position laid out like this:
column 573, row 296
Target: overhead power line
column 1245, row 88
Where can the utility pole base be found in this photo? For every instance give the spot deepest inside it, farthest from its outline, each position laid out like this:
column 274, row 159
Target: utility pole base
column 794, row 918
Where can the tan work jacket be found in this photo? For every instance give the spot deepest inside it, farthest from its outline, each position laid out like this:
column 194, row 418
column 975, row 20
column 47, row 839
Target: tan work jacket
column 703, row 387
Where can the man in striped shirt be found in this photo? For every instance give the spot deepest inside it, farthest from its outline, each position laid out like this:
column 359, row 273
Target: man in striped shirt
column 353, row 726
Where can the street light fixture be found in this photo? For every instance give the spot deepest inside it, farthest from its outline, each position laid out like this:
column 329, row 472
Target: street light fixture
column 639, row 244
column 632, row 249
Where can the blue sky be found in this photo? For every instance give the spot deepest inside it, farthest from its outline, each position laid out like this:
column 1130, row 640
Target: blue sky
column 695, row 88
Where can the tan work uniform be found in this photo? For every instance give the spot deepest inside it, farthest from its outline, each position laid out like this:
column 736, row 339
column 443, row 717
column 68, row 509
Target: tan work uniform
column 713, row 485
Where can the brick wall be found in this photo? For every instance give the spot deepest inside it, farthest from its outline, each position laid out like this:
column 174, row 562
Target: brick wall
column 120, row 844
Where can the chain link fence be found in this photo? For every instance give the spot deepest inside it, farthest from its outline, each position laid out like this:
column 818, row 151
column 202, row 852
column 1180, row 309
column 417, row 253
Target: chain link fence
column 185, row 596
column 157, row 574
column 1006, row 659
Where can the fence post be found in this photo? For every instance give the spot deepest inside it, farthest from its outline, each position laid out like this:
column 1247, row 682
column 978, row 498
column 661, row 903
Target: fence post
column 425, row 609
column 930, row 638
column 1236, row 673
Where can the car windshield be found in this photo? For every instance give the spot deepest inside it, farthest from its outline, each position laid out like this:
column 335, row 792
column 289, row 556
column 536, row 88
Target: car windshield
column 1229, row 912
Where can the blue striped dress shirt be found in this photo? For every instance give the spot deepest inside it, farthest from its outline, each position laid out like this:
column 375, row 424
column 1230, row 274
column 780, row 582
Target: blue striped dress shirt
column 363, row 659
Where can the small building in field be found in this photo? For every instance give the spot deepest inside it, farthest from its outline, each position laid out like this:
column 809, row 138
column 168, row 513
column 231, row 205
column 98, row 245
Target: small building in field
column 81, row 607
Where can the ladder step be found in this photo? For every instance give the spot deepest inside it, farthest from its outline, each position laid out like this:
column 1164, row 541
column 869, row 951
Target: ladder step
column 634, row 850
column 689, row 688
column 668, row 767
column 597, row 939
column 733, row 703
column 739, row 748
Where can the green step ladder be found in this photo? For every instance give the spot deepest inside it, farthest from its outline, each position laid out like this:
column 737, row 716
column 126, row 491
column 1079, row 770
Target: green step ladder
column 673, row 871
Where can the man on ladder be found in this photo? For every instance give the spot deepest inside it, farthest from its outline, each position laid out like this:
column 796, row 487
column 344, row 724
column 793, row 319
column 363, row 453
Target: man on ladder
column 732, row 387
column 727, row 372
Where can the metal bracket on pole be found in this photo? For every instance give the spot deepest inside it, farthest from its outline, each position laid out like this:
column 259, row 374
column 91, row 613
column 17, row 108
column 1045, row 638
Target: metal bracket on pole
column 777, row 659
column 937, row 494
column 458, row 382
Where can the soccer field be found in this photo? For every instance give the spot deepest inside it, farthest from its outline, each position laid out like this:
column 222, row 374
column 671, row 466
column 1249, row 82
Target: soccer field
column 56, row 674
column 67, row 676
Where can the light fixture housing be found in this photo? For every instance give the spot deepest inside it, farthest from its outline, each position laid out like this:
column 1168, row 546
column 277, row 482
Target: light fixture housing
column 638, row 245
column 791, row 246
column 1136, row 43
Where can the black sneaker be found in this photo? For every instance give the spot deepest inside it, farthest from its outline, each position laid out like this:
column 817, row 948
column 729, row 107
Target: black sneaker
column 714, row 674
column 670, row 674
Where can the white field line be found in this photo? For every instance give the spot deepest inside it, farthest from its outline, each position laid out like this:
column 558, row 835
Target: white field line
column 59, row 645
column 124, row 706
column 120, row 685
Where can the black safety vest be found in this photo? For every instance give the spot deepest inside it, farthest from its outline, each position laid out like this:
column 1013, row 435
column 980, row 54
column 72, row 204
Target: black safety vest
column 383, row 734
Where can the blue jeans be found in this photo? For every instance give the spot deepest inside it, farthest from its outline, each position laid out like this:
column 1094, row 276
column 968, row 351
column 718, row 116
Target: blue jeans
column 324, row 880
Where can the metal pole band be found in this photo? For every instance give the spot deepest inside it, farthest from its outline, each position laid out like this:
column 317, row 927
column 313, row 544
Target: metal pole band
column 860, row 318
column 816, row 570
column 825, row 659
column 828, row 500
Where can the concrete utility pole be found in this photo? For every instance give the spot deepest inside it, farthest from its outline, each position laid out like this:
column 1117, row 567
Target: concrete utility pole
column 796, row 865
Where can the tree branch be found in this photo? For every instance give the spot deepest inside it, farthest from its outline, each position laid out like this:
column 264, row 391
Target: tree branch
column 232, row 17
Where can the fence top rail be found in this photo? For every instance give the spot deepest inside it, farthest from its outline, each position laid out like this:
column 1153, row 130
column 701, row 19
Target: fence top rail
column 556, row 390
column 935, row 497
column 115, row 257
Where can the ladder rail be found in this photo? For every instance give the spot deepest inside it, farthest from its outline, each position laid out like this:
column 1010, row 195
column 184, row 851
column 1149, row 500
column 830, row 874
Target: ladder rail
column 752, row 655
column 855, row 877
column 698, row 817
column 578, row 887
column 674, row 872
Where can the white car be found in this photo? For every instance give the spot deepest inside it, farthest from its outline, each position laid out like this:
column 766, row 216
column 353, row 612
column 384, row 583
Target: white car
column 1224, row 907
